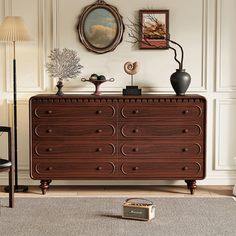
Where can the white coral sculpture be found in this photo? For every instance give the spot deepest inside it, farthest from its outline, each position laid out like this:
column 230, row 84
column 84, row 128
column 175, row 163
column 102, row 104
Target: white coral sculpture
column 63, row 64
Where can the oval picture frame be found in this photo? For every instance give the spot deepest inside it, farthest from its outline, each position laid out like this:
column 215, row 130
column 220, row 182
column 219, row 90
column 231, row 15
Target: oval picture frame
column 100, row 27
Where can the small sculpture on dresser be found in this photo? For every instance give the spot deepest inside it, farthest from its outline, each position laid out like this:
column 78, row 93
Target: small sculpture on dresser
column 132, row 69
column 63, row 64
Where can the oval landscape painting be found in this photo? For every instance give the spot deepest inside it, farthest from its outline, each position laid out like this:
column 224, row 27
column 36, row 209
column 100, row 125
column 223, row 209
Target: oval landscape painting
column 100, row 28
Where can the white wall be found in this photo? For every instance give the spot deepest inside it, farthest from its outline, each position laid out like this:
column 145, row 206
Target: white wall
column 204, row 28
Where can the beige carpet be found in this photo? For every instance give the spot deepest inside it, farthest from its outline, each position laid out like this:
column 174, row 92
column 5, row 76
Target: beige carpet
column 102, row 217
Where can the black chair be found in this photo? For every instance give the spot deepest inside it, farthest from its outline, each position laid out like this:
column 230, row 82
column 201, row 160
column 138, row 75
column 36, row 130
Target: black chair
column 6, row 165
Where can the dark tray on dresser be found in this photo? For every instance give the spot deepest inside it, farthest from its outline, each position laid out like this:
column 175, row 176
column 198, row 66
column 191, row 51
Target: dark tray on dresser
column 117, row 137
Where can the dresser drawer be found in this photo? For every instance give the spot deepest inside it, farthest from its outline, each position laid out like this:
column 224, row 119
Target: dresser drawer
column 159, row 149
column 84, row 130
column 149, row 130
column 93, row 112
column 167, row 169
column 58, row 168
column 74, row 149
column 160, row 111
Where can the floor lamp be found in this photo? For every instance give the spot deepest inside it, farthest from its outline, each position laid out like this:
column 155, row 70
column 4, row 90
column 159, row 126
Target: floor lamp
column 13, row 30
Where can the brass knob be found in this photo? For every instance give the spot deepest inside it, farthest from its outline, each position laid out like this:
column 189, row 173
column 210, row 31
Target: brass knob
column 185, row 168
column 49, row 131
column 135, row 111
column 99, row 168
column 49, row 149
column 136, row 168
column 99, row 149
column 135, row 131
column 185, row 130
column 99, row 112
column 50, row 168
column 186, row 112
column 49, row 112
column 135, row 149
column 185, row 150
column 99, row 131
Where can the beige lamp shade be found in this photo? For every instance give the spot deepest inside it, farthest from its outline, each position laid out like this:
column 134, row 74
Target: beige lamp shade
column 13, row 29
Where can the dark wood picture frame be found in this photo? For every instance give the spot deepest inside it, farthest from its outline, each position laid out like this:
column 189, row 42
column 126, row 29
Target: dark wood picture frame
column 100, row 27
column 154, row 27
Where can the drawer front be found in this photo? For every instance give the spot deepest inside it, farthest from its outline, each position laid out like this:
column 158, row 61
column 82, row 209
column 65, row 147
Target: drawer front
column 158, row 149
column 83, row 130
column 93, row 112
column 150, row 168
column 57, row 169
column 158, row 111
column 74, row 149
column 152, row 130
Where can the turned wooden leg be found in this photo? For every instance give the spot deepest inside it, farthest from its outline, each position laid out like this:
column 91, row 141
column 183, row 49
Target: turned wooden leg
column 44, row 185
column 191, row 185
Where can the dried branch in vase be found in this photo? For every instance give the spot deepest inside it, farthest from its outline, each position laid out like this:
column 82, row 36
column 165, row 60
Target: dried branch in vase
column 134, row 34
column 180, row 80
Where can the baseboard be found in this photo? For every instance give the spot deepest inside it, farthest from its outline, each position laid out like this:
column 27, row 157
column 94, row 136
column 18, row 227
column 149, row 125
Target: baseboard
column 24, row 179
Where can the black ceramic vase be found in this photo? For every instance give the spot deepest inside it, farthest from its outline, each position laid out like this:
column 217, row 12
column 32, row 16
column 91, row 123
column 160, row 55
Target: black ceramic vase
column 180, row 81
column 59, row 88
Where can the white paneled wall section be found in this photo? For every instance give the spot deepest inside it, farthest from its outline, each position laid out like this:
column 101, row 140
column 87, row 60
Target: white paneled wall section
column 204, row 28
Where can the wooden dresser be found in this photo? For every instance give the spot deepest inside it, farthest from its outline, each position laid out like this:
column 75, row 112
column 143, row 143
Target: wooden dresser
column 117, row 137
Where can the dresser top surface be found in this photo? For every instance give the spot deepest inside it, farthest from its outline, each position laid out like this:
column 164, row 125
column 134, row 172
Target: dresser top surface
column 112, row 96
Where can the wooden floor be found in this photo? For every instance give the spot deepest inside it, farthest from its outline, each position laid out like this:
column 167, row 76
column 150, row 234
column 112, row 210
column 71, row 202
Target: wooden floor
column 125, row 191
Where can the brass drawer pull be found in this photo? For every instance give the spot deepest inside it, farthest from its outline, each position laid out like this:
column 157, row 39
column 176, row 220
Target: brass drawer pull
column 98, row 149
column 185, row 112
column 135, row 149
column 136, row 168
column 99, row 112
column 135, row 111
column 50, row 168
column 99, row 168
column 49, row 149
column 99, row 131
column 185, row 168
column 49, row 111
column 49, row 131
column 135, row 131
column 185, row 150
column 185, row 130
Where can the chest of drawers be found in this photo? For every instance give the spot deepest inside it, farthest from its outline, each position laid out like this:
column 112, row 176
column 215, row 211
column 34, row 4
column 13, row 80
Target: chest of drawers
column 117, row 137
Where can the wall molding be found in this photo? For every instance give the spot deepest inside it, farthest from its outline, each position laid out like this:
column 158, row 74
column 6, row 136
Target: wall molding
column 211, row 180
column 219, row 48
column 219, row 104
column 22, row 102
column 41, row 55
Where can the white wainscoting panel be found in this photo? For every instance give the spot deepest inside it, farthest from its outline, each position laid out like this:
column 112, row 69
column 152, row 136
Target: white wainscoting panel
column 225, row 134
column 226, row 46
column 30, row 56
column 22, row 132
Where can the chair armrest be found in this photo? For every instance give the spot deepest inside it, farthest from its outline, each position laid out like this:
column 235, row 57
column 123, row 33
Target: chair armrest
column 8, row 130
column 5, row 129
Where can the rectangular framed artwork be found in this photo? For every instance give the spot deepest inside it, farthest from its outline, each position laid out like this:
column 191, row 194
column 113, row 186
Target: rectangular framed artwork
column 154, row 27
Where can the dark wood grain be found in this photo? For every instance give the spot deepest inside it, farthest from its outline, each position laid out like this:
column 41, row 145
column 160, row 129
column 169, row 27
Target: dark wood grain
column 117, row 137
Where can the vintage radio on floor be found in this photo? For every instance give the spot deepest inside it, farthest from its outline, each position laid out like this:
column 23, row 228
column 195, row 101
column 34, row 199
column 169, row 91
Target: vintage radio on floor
column 139, row 209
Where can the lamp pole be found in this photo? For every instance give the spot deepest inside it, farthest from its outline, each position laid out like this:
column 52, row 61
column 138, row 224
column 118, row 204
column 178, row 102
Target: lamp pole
column 17, row 187
column 12, row 30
